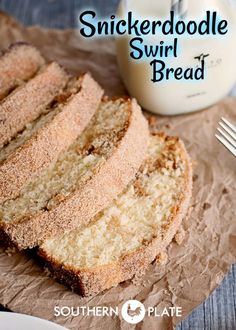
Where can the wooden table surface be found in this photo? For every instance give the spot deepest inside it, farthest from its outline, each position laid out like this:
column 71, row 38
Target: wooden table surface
column 218, row 312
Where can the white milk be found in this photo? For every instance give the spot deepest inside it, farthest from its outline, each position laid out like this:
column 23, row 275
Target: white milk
column 174, row 97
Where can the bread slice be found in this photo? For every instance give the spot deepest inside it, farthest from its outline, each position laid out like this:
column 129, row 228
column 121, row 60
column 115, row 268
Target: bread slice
column 126, row 237
column 17, row 64
column 43, row 140
column 29, row 100
column 84, row 180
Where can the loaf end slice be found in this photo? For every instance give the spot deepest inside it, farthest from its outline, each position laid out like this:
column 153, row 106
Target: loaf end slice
column 56, row 132
column 84, row 180
column 18, row 64
column 125, row 238
column 29, row 101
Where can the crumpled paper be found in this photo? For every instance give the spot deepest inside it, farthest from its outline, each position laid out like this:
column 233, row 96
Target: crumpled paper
column 197, row 266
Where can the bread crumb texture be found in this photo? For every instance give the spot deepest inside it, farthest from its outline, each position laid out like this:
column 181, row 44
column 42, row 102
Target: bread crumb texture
column 47, row 115
column 139, row 214
column 74, row 167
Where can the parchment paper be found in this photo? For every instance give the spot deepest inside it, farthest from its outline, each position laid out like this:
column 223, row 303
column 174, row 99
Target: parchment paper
column 194, row 268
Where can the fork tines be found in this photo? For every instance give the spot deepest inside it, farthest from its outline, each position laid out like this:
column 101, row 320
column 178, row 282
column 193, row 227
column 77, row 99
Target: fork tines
column 227, row 135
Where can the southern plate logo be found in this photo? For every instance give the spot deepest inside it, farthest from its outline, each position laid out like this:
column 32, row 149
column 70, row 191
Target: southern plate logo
column 133, row 311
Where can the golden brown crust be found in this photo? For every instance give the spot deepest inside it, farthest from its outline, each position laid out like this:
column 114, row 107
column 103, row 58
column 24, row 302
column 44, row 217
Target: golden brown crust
column 79, row 207
column 44, row 147
column 28, row 101
column 17, row 64
column 92, row 281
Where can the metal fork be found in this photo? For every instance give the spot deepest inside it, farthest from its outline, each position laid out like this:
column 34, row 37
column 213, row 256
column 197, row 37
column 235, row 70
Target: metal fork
column 227, row 135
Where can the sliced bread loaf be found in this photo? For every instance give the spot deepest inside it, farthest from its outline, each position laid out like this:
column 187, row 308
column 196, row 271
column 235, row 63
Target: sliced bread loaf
column 84, row 180
column 29, row 100
column 40, row 144
column 17, row 64
column 125, row 238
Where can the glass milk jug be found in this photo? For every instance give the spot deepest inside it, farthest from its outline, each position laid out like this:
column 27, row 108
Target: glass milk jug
column 171, row 97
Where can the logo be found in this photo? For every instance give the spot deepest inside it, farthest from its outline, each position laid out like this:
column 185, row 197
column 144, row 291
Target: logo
column 201, row 58
column 133, row 311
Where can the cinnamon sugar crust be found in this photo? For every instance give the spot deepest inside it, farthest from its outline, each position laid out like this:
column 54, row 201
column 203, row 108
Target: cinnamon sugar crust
column 57, row 131
column 94, row 170
column 143, row 227
column 18, row 64
column 28, row 101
